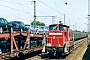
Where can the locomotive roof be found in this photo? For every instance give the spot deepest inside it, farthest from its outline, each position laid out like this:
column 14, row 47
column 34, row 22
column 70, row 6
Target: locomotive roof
column 60, row 24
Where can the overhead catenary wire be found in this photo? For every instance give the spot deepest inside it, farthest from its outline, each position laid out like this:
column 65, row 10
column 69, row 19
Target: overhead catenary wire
column 52, row 8
column 75, row 10
column 22, row 4
column 57, row 5
column 32, row 8
column 18, row 10
column 8, row 15
column 14, row 2
column 68, row 13
column 29, row 7
column 15, row 9
column 38, row 0
column 64, row 10
column 49, row 6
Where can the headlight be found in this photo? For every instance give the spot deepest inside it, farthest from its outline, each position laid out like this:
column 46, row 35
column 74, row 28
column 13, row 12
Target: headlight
column 48, row 44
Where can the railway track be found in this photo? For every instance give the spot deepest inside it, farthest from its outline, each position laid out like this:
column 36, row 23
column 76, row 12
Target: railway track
column 79, row 42
column 78, row 45
column 77, row 50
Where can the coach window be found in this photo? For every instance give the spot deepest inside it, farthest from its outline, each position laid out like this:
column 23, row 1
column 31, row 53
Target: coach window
column 62, row 28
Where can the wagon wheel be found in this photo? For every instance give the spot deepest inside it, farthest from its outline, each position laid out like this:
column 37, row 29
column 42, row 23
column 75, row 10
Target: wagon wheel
column 0, row 51
column 1, row 30
column 21, row 30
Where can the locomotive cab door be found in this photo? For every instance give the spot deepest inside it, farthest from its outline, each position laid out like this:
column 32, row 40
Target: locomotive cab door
column 64, row 29
column 66, row 37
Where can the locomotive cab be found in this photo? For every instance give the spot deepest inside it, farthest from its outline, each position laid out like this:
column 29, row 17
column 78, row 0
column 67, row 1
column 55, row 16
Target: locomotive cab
column 58, row 39
column 56, row 35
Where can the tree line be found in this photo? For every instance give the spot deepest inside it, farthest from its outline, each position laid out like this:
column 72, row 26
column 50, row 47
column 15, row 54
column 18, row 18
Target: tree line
column 37, row 23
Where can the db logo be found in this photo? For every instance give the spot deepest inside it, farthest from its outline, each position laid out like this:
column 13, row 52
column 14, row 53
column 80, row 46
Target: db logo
column 53, row 37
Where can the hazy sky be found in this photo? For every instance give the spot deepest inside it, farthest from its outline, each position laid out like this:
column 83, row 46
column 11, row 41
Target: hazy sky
column 75, row 11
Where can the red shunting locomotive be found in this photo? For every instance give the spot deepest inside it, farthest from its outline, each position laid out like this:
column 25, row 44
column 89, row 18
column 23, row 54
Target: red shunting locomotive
column 59, row 40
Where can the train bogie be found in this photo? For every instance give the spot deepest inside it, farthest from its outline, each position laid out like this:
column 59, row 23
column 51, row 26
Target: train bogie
column 4, row 45
column 35, row 43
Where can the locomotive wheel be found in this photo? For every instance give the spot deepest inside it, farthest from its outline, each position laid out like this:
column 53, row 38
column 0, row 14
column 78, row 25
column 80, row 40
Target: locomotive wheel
column 50, row 54
column 58, row 54
column 66, row 50
column 72, row 48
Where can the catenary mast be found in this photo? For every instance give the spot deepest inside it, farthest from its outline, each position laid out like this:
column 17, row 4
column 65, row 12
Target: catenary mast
column 88, row 26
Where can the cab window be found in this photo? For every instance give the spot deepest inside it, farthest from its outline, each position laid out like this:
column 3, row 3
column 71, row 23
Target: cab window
column 52, row 27
column 62, row 28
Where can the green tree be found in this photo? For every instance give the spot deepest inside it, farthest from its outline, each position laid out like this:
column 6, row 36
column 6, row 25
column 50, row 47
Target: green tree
column 83, row 31
column 37, row 23
column 77, row 31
